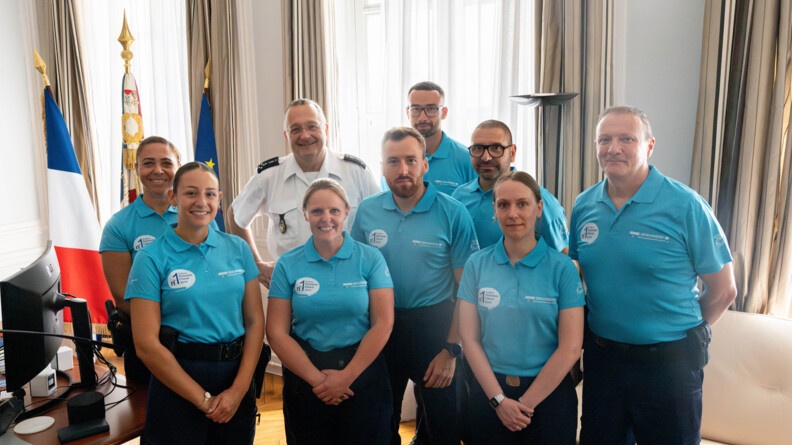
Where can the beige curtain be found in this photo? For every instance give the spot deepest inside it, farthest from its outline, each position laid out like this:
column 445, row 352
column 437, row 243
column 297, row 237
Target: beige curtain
column 211, row 33
column 574, row 39
column 741, row 157
column 65, row 70
column 312, row 68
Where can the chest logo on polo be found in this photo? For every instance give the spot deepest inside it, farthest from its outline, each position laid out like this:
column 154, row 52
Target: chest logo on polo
column 142, row 241
column 306, row 286
column 648, row 236
column 589, row 233
column 488, row 297
column 378, row 238
column 181, row 279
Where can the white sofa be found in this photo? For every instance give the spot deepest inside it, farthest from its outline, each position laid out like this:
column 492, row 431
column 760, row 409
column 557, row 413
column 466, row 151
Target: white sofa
column 748, row 381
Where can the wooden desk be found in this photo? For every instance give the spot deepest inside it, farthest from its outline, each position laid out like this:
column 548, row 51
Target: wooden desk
column 126, row 420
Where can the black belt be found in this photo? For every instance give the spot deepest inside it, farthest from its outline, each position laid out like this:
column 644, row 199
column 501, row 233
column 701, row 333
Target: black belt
column 217, row 352
column 653, row 353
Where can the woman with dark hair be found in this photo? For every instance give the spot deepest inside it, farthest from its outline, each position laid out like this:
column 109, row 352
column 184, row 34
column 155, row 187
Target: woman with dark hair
column 521, row 321
column 330, row 314
column 198, row 322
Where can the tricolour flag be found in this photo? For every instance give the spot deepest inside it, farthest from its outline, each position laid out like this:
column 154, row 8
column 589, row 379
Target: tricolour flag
column 73, row 226
column 206, row 149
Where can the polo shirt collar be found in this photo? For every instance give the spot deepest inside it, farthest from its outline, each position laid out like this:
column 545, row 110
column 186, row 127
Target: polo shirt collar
column 143, row 210
column 531, row 260
column 344, row 253
column 646, row 193
column 423, row 205
column 179, row 245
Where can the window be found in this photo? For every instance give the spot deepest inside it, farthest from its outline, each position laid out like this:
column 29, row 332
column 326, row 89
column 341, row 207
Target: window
column 479, row 51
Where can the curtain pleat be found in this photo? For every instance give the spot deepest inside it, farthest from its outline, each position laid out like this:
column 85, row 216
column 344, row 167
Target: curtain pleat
column 211, row 33
column 741, row 158
column 71, row 90
column 573, row 55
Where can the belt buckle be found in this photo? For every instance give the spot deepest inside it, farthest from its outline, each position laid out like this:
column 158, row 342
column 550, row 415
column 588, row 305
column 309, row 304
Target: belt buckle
column 232, row 350
column 513, row 381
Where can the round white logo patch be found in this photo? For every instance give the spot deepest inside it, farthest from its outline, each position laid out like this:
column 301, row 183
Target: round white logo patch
column 142, row 241
column 181, row 279
column 589, row 233
column 489, row 297
column 306, row 286
column 378, row 238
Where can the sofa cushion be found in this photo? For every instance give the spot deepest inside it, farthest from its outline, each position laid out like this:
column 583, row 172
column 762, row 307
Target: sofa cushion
column 748, row 381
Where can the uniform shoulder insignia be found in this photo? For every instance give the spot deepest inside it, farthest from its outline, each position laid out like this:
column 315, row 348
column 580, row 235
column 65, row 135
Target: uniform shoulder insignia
column 272, row 162
column 354, row 159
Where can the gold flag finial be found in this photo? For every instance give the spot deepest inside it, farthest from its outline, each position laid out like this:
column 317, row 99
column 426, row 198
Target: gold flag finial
column 126, row 39
column 41, row 67
column 207, row 73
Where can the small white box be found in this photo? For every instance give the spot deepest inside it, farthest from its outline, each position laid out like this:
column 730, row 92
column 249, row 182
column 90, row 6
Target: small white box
column 43, row 384
column 65, row 360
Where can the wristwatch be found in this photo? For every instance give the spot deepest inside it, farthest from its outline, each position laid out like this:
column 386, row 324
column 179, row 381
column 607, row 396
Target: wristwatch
column 495, row 401
column 207, row 397
column 454, row 349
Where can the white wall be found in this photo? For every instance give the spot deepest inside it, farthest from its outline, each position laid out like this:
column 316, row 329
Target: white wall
column 657, row 57
column 23, row 225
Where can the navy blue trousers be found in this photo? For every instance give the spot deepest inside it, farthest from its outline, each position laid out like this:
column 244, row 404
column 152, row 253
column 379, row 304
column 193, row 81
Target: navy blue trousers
column 363, row 419
column 170, row 419
column 656, row 403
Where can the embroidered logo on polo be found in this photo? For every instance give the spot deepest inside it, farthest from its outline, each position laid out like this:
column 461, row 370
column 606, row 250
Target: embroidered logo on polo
column 488, row 297
column 589, row 233
column 306, row 286
column 142, row 241
column 579, row 289
column 719, row 241
column 362, row 283
column 649, row 236
column 181, row 279
column 378, row 238
column 231, row 273
column 432, row 244
column 542, row 300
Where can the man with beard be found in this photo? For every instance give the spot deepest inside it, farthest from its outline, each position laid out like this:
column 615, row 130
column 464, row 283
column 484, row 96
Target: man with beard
column 448, row 159
column 426, row 237
column 278, row 187
column 491, row 153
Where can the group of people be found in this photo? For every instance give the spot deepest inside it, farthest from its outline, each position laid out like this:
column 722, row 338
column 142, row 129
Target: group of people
column 461, row 277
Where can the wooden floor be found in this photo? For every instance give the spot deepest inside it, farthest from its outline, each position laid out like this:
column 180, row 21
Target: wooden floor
column 270, row 429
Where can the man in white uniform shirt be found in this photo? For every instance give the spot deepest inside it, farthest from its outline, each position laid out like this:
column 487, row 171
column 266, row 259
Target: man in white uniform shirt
column 278, row 186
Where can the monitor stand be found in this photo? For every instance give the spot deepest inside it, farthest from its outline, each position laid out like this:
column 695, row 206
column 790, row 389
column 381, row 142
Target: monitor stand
column 81, row 322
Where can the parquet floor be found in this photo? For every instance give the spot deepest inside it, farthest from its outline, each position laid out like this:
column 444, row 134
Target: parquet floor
column 270, row 429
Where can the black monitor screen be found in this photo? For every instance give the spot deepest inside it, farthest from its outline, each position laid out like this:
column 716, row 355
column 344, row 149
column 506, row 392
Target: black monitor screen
column 28, row 300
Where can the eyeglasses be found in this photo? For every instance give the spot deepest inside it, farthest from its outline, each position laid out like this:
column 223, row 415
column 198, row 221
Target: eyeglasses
column 495, row 150
column 430, row 110
column 297, row 129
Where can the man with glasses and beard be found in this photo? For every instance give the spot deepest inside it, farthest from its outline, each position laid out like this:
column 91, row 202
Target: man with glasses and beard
column 448, row 159
column 278, row 187
column 491, row 154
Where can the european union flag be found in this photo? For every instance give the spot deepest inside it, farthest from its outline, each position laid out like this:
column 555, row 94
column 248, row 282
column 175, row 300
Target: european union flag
column 206, row 149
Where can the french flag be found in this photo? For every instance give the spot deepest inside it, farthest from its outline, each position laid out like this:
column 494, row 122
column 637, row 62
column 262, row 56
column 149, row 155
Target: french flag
column 74, row 227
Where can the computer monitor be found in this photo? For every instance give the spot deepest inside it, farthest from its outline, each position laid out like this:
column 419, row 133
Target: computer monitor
column 31, row 301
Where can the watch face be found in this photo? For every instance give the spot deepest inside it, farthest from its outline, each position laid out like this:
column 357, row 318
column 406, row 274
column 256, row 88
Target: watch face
column 494, row 402
column 454, row 349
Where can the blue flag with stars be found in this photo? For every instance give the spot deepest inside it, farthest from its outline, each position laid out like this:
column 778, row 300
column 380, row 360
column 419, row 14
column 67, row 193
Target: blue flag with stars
column 206, row 149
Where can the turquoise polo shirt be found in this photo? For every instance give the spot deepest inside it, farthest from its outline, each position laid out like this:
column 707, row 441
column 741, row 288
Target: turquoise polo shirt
column 449, row 166
column 552, row 226
column 330, row 298
column 199, row 288
column 422, row 247
column 136, row 226
column 518, row 305
column 641, row 263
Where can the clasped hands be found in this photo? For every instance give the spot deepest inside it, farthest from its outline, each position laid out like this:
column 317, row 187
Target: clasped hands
column 514, row 414
column 334, row 389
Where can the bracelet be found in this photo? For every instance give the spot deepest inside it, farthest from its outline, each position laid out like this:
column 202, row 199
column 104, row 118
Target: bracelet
column 519, row 399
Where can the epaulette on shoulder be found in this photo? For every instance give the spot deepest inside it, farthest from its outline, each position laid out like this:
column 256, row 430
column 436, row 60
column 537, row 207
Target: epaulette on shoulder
column 354, row 159
column 271, row 162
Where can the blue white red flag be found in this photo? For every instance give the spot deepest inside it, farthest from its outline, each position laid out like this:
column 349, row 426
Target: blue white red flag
column 73, row 226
